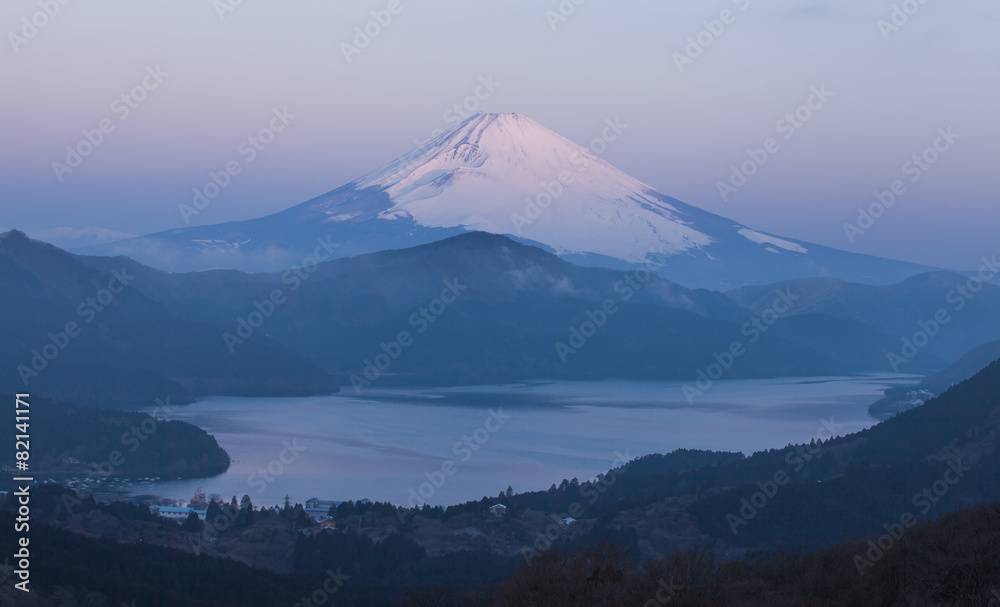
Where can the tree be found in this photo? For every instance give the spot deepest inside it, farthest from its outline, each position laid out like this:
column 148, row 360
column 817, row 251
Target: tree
column 246, row 511
column 345, row 510
column 192, row 523
column 214, row 512
column 302, row 520
column 510, row 491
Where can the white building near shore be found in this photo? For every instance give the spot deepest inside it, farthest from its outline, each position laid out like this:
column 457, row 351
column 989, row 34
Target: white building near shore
column 177, row 513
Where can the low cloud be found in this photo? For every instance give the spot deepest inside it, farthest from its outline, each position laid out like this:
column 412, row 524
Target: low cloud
column 75, row 238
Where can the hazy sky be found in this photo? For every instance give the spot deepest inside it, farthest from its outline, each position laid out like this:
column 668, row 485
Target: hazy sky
column 220, row 79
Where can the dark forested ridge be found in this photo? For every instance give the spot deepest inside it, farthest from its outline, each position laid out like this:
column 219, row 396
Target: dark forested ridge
column 955, row 561
column 927, row 462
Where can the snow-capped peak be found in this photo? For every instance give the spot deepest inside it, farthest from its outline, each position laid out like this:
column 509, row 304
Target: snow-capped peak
column 507, row 174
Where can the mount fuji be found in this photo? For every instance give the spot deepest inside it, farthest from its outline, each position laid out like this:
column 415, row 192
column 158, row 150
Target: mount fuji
column 506, row 174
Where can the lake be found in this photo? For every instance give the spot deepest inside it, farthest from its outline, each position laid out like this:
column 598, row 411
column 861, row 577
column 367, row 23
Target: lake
column 450, row 445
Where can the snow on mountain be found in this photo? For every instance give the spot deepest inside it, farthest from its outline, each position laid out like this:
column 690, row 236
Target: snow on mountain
column 759, row 238
column 488, row 172
column 506, row 174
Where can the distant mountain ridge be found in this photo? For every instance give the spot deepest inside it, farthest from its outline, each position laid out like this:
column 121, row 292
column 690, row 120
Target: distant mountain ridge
column 520, row 302
column 905, row 313
column 473, row 308
column 88, row 336
column 506, row 174
column 516, row 303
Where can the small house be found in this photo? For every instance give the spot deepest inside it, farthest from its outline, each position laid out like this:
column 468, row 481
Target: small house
column 498, row 511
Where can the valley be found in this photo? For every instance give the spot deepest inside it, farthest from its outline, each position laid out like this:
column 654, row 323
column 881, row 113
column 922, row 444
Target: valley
column 698, row 512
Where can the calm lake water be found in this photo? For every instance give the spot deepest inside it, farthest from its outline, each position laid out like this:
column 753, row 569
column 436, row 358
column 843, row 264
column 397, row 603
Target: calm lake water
column 387, row 442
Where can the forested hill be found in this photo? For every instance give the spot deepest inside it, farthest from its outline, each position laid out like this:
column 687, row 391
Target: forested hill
column 71, row 440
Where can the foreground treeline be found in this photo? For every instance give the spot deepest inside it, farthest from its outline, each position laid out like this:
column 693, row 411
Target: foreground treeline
column 69, row 569
column 955, row 561
column 342, row 568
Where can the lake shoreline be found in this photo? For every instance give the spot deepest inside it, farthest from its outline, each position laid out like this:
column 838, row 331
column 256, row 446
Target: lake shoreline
column 389, row 441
